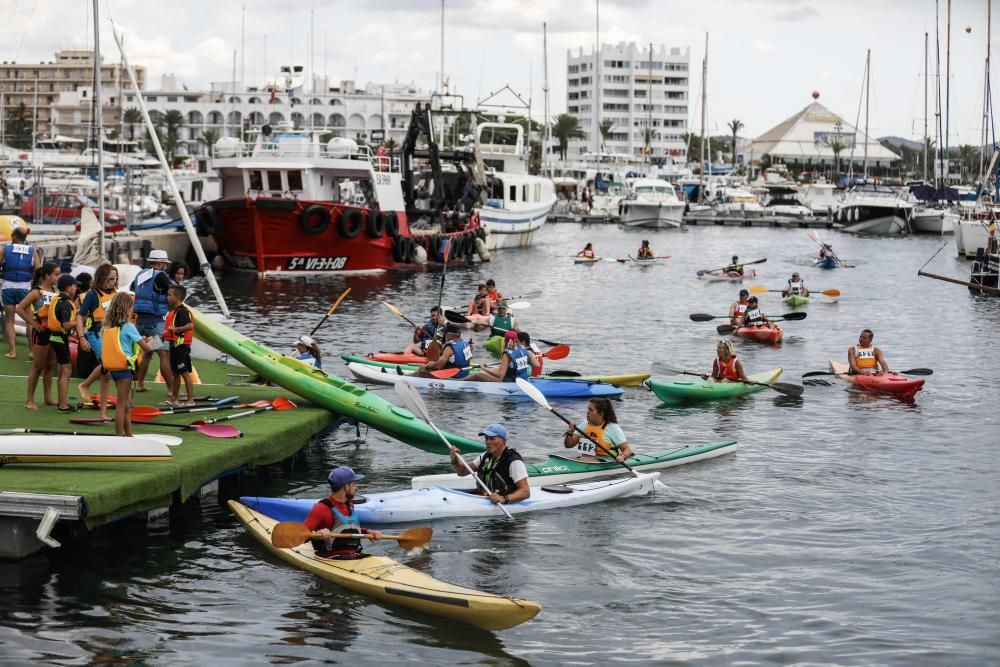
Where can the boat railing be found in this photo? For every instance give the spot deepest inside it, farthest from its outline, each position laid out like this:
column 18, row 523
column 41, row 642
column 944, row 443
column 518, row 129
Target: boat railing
column 379, row 162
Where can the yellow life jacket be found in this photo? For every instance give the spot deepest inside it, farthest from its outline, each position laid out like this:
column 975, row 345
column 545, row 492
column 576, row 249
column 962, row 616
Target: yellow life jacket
column 42, row 306
column 52, row 322
column 597, row 433
column 103, row 301
column 864, row 357
column 113, row 357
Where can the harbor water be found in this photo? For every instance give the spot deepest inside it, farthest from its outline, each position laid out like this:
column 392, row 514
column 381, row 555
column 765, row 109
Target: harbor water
column 849, row 528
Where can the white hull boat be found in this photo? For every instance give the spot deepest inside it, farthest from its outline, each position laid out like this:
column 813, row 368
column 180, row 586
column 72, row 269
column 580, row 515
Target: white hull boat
column 969, row 235
column 933, row 221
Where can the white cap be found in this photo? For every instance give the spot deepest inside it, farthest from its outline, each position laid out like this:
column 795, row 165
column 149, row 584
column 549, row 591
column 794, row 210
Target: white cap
column 307, row 340
column 158, row 256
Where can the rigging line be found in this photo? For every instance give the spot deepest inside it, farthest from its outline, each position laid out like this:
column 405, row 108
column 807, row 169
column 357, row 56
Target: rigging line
column 27, row 27
column 857, row 119
column 933, row 256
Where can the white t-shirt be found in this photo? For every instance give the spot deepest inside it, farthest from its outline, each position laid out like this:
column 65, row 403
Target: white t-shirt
column 518, row 470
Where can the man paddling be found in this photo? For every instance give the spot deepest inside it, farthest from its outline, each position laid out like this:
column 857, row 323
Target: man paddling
column 432, row 329
column 500, row 467
column 796, row 287
column 734, row 267
column 456, row 353
column 754, row 317
column 737, row 309
column 866, row 359
column 502, row 321
column 335, row 514
column 645, row 251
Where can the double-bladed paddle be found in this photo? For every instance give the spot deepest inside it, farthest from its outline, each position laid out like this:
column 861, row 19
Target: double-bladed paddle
column 556, row 353
column 630, row 258
column 702, row 272
column 912, row 371
column 397, row 311
column 793, row 390
column 702, row 317
column 411, row 399
column 726, row 329
column 211, row 430
column 330, row 312
column 277, row 404
column 760, row 289
column 288, row 534
column 142, row 413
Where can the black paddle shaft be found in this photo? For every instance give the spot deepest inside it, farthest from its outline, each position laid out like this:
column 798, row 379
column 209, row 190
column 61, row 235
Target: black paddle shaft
column 591, row 439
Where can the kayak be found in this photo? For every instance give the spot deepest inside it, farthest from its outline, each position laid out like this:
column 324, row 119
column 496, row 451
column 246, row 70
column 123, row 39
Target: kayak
column 889, row 383
column 397, row 358
column 761, row 334
column 795, row 300
column 388, row 580
column 494, row 345
column 441, row 502
column 80, row 449
column 729, row 276
column 562, row 469
column 692, row 389
column 586, row 260
column 329, row 391
column 622, row 380
column 550, row 388
column 826, row 263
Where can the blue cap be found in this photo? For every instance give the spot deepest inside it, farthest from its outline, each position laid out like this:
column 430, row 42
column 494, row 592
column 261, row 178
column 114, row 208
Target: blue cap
column 494, row 430
column 342, row 476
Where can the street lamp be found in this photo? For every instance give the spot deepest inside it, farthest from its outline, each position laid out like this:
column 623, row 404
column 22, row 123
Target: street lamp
column 837, row 128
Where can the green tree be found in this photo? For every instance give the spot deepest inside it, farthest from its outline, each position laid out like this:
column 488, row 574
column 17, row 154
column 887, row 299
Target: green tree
column 170, row 128
column 734, row 127
column 837, row 145
column 968, row 156
column 132, row 118
column 606, row 125
column 564, row 128
column 19, row 126
column 208, row 139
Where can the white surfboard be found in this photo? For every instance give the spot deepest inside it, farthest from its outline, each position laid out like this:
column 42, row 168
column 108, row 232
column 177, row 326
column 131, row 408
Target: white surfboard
column 79, row 449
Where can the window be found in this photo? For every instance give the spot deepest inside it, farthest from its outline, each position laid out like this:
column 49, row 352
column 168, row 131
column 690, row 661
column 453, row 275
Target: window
column 675, row 81
column 256, row 180
column 584, row 80
column 274, row 181
column 524, row 193
column 513, row 194
column 538, row 192
column 172, row 98
column 295, row 180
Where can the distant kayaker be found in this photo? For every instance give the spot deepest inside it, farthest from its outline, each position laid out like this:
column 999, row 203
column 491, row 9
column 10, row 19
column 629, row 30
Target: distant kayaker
column 500, row 467
column 335, row 514
column 737, row 309
column 796, row 287
column 645, row 251
column 727, row 366
column 514, row 363
column 432, row 329
column 602, row 426
column 456, row 353
column 754, row 317
column 307, row 350
column 588, row 251
column 495, row 296
column 864, row 358
column 480, row 304
column 734, row 266
column 826, row 250
column 502, row 322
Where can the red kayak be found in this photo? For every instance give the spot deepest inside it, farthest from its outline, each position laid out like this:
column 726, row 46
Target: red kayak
column 397, row 358
column 761, row 334
column 890, row 383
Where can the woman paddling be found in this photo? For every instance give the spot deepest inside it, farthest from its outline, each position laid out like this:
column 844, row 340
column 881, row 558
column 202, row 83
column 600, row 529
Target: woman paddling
column 602, row 426
column 588, row 251
column 307, row 350
column 727, row 366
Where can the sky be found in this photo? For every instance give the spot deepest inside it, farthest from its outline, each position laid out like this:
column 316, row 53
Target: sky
column 766, row 57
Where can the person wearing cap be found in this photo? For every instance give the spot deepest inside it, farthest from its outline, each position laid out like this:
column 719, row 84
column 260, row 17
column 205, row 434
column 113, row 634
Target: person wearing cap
column 335, row 514
column 645, row 251
column 796, row 286
column 515, row 362
column 602, row 427
column 500, row 467
column 150, row 287
column 456, row 353
column 60, row 321
column 307, row 350
column 18, row 262
column 734, row 266
column 502, row 321
column 424, row 336
column 754, row 317
column 738, row 308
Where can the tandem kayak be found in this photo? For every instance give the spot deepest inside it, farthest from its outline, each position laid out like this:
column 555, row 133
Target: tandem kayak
column 889, row 383
column 761, row 334
column 728, row 276
column 329, row 391
column 388, row 580
column 795, row 300
column 562, row 469
column 551, row 388
column 692, row 389
column 440, row 502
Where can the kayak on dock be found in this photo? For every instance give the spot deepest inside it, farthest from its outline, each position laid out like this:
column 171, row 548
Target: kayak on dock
column 388, row 580
column 889, row 383
column 81, row 449
column 693, row 390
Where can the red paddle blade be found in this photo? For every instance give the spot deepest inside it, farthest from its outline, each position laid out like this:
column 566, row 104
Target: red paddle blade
column 282, row 403
column 217, row 430
column 446, row 373
column 139, row 415
column 557, row 352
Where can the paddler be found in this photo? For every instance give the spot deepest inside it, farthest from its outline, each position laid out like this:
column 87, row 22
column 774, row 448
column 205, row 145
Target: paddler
column 514, row 363
column 588, row 251
column 502, row 322
column 826, row 250
column 727, row 366
column 480, row 304
column 602, row 426
column 456, row 353
column 495, row 296
column 431, row 330
column 500, row 468
column 796, row 287
column 335, row 514
column 534, row 353
column 754, row 317
column 645, row 252
column 864, row 358
column 307, row 350
column 734, row 266
column 737, row 309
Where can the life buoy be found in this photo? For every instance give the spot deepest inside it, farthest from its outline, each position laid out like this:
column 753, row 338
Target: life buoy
column 314, row 212
column 392, row 224
column 350, row 222
column 207, row 219
column 375, row 225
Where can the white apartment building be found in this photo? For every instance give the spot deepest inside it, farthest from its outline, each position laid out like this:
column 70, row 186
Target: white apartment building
column 638, row 90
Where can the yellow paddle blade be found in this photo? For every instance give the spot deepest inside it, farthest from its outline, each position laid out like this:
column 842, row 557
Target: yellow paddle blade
column 289, row 534
column 759, row 289
column 830, row 292
column 414, row 538
column 393, row 308
column 337, row 302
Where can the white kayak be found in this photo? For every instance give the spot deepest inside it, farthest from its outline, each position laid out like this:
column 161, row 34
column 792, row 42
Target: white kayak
column 80, row 449
column 440, row 502
column 168, row 440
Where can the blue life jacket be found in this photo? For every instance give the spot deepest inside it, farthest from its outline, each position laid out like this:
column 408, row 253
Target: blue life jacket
column 343, row 524
column 519, row 366
column 147, row 300
column 309, row 359
column 427, row 332
column 17, row 262
column 461, row 357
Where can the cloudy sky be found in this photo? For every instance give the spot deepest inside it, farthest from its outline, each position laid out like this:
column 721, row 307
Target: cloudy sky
column 765, row 56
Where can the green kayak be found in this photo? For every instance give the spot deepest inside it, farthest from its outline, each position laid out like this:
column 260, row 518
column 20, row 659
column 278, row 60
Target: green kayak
column 331, row 392
column 692, row 389
column 494, row 345
column 796, row 300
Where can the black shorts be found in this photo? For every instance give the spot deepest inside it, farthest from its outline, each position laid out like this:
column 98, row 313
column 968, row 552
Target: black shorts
column 60, row 345
column 180, row 359
column 40, row 338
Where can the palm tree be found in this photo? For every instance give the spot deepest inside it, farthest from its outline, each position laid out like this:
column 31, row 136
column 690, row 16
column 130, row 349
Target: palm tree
column 606, row 125
column 734, row 126
column 390, row 144
column 837, row 145
column 132, row 118
column 967, row 155
column 19, row 126
column 171, row 125
column 564, row 128
column 208, row 138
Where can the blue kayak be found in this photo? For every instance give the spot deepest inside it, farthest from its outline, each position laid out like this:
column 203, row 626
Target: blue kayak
column 827, row 263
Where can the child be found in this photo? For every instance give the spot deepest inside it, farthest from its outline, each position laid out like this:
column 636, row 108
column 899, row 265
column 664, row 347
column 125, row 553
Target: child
column 120, row 343
column 92, row 309
column 177, row 334
column 34, row 310
column 61, row 320
column 307, row 350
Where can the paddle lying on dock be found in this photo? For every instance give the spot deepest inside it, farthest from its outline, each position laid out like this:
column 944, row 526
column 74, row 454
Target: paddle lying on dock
column 788, row 389
column 276, row 404
column 211, row 430
column 412, row 401
column 143, row 413
column 702, row 317
column 760, row 289
column 702, row 272
column 289, row 534
column 556, row 353
column 330, row 312
column 912, row 371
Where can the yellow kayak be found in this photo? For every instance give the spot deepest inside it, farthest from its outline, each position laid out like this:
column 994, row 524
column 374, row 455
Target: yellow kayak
column 385, row 579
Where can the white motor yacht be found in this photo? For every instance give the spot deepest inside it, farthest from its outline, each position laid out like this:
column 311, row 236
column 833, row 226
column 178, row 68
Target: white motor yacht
column 651, row 203
column 873, row 209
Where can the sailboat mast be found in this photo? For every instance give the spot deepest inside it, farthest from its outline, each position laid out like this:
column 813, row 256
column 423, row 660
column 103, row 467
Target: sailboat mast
column 548, row 126
column 868, row 83
column 947, row 83
column 99, row 124
column 649, row 109
column 441, row 88
column 986, row 99
column 704, row 97
column 597, row 78
column 925, row 107
column 938, row 162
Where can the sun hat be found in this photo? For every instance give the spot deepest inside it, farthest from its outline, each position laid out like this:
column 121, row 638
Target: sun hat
column 158, row 256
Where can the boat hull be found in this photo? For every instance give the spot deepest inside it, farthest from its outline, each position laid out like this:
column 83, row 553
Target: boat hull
column 656, row 215
column 886, row 383
column 878, row 224
column 512, row 229
column 970, row 235
column 695, row 390
column 933, row 221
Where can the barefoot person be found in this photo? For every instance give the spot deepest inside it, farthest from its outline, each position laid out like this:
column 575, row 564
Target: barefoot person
column 18, row 262
column 92, row 309
column 60, row 322
column 120, row 344
column 34, row 310
column 178, row 332
column 150, row 287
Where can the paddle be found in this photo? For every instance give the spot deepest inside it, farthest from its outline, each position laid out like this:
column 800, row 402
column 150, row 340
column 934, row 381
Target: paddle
column 726, row 329
column 400, row 313
column 288, row 534
column 526, row 295
column 211, row 430
column 760, row 289
column 277, row 404
column 539, row 398
column 912, row 371
column 556, row 353
column 330, row 312
column 815, row 237
column 702, row 272
column 630, row 258
column 702, row 317
column 415, row 404
column 793, row 390
column 147, row 412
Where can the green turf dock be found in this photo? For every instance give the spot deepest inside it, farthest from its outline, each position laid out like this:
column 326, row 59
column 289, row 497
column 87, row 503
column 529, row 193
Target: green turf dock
column 93, row 494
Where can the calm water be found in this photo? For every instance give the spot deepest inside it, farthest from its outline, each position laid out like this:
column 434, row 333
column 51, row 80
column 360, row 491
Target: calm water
column 848, row 529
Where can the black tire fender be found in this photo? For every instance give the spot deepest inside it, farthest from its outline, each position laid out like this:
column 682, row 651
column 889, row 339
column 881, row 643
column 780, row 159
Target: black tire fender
column 350, row 223
column 314, row 212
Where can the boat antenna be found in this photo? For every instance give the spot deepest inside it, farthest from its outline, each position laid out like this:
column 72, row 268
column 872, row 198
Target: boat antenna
column 868, row 83
column 99, row 125
column 548, row 126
